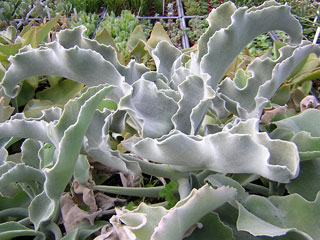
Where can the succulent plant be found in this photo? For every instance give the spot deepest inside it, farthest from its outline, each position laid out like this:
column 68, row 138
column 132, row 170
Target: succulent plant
column 184, row 121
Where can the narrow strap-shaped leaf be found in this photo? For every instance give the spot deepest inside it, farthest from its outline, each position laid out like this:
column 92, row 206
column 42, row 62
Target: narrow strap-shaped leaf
column 218, row 18
column 24, row 128
column 98, row 149
column 30, row 149
column 195, row 97
column 246, row 24
column 76, row 37
column 20, row 173
column 3, row 155
column 200, row 202
column 155, row 223
column 240, row 149
column 10, row 230
column 267, row 77
column 273, row 216
column 68, row 136
column 306, row 121
column 81, row 65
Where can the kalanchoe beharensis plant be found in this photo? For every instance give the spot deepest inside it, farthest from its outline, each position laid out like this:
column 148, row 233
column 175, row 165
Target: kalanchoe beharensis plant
column 184, row 121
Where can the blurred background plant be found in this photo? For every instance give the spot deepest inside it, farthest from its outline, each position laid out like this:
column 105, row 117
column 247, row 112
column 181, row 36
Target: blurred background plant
column 120, row 27
column 196, row 27
column 90, row 6
column 172, row 27
column 200, row 7
column 90, row 20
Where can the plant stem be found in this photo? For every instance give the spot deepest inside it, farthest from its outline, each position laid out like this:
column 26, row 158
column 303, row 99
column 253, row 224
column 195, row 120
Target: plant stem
column 14, row 212
column 257, row 189
column 159, row 170
column 54, row 228
column 131, row 191
column 184, row 187
column 273, row 188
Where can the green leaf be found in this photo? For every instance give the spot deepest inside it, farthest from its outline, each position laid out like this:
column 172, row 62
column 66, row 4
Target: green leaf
column 308, row 146
column 276, row 48
column 61, row 92
column 26, row 93
column 10, row 230
column 10, row 49
column 80, row 65
column 81, row 170
column 282, row 95
column 307, row 65
column 279, row 216
column 21, row 173
column 158, row 33
column 212, row 229
column 273, row 216
column 135, row 37
column 45, row 29
column 20, row 199
column 307, row 184
column 83, row 231
column 105, row 38
column 170, row 193
column 67, row 135
column 306, row 121
column 34, row 108
column 31, row 37
column 159, row 223
column 109, row 104
column 5, row 111
column 241, row 78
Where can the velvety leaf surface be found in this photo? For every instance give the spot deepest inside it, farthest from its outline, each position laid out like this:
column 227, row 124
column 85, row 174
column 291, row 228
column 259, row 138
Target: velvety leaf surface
column 150, row 109
column 164, row 56
column 76, row 37
column 273, row 216
column 148, row 222
column 307, row 184
column 194, row 102
column 67, row 136
column 278, row 160
column 222, row 52
column 75, row 63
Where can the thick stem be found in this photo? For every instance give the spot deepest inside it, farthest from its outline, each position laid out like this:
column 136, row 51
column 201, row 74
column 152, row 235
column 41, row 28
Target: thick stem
column 184, row 187
column 273, row 188
column 131, row 191
column 257, row 189
column 14, row 212
column 159, row 170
